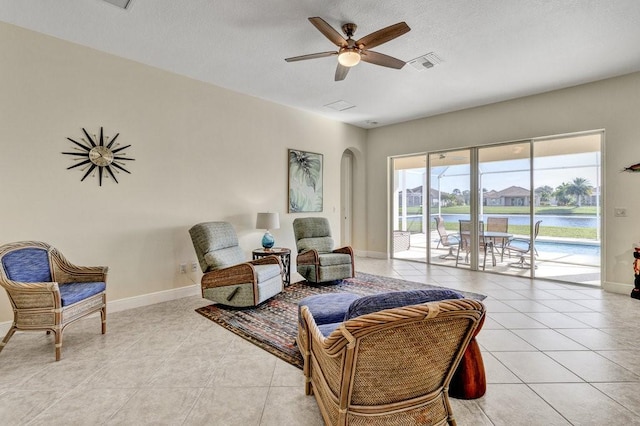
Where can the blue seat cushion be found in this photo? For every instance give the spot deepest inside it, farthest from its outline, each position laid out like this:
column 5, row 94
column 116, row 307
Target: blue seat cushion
column 327, row 329
column 27, row 265
column 328, row 308
column 395, row 299
column 71, row 293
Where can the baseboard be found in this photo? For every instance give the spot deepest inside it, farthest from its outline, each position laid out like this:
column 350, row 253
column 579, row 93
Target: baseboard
column 135, row 301
column 152, row 298
column 371, row 254
column 620, row 288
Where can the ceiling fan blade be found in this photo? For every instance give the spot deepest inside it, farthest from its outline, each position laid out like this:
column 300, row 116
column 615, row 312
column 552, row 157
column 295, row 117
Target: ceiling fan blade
column 341, row 72
column 381, row 59
column 384, row 35
column 328, row 31
column 311, row 56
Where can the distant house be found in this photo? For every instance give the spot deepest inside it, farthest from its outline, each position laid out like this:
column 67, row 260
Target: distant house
column 414, row 196
column 594, row 199
column 512, row 196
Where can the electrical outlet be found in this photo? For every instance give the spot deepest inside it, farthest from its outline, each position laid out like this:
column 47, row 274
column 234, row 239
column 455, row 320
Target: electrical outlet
column 183, row 268
column 620, row 212
column 194, row 266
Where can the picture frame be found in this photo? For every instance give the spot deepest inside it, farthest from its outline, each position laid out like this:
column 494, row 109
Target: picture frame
column 305, row 181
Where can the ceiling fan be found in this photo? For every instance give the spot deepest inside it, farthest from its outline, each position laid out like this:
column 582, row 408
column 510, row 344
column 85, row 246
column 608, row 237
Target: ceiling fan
column 351, row 52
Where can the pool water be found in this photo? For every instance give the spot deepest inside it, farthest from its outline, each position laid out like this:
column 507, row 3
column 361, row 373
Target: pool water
column 568, row 248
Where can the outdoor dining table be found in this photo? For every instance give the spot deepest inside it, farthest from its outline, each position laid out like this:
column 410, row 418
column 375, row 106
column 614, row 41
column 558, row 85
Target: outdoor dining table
column 492, row 236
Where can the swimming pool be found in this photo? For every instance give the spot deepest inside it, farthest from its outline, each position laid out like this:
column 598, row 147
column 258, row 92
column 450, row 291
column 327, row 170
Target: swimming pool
column 568, row 248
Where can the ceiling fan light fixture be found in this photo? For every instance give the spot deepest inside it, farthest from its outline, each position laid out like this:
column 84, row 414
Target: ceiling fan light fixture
column 349, row 57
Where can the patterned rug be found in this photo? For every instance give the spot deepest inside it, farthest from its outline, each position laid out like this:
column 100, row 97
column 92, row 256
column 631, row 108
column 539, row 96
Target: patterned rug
column 273, row 325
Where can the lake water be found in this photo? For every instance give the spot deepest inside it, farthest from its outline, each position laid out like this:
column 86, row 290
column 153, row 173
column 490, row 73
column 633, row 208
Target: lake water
column 581, row 248
column 521, row 219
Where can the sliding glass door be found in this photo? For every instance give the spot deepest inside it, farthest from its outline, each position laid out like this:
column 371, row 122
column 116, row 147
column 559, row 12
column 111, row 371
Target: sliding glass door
column 568, row 205
column 410, row 228
column 450, row 208
column 505, row 203
column 527, row 208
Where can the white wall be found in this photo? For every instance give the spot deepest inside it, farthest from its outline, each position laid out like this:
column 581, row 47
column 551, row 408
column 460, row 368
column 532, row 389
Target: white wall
column 201, row 153
column 611, row 104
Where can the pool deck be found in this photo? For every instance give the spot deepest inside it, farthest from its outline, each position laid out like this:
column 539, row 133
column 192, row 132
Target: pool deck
column 560, row 266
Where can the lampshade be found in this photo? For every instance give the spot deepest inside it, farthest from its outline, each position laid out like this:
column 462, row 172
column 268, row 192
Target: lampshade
column 268, row 221
column 349, row 58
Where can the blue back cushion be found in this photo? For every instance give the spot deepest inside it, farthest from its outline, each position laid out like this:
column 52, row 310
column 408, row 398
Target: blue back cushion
column 29, row 265
column 396, row 299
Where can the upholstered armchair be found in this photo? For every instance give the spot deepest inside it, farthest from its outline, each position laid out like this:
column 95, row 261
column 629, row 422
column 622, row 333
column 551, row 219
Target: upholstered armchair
column 385, row 366
column 228, row 278
column 317, row 261
column 47, row 292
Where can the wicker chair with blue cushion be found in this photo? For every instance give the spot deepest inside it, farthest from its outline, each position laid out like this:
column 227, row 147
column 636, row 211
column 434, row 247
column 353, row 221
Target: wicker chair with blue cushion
column 228, row 278
column 317, row 261
column 387, row 358
column 47, row 292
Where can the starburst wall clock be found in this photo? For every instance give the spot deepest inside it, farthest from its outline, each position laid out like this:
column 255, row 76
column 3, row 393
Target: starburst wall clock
column 99, row 155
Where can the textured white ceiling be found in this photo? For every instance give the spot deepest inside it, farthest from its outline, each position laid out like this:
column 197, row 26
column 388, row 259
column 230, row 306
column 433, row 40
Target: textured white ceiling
column 492, row 50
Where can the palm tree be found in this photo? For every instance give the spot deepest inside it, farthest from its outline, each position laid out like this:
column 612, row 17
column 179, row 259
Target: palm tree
column 561, row 194
column 544, row 193
column 579, row 188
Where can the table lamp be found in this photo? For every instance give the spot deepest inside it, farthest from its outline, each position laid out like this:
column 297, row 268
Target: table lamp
column 268, row 221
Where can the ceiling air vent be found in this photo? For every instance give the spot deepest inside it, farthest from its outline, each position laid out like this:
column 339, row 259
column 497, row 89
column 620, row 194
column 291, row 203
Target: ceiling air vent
column 425, row 62
column 340, row 105
column 120, row 3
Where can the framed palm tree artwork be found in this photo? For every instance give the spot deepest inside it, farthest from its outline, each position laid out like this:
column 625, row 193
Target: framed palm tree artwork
column 305, row 181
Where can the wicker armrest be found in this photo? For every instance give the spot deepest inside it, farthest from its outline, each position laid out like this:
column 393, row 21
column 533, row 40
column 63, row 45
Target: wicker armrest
column 86, row 274
column 38, row 295
column 17, row 286
column 267, row 260
column 345, row 250
column 309, row 257
column 66, row 272
column 237, row 274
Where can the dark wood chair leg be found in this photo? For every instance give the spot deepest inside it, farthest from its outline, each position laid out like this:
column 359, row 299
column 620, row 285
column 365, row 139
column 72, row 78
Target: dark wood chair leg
column 469, row 380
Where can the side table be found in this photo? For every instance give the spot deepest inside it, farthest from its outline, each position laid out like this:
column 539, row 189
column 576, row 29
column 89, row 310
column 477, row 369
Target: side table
column 285, row 258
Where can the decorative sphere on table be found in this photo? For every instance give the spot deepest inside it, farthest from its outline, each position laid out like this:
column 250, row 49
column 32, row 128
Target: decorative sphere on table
column 267, row 240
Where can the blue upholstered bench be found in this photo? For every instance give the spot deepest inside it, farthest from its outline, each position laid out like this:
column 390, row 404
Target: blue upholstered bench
column 331, row 310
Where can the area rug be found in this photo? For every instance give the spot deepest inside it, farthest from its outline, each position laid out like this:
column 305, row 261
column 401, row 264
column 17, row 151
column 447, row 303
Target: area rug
column 273, row 325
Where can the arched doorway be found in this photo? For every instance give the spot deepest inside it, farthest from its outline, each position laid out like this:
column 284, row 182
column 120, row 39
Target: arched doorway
column 346, row 197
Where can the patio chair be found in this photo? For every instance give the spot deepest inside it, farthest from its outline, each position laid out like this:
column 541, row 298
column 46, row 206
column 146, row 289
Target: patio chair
column 228, row 278
column 317, row 260
column 523, row 247
column 385, row 362
column 47, row 292
column 484, row 244
column 498, row 224
column 446, row 239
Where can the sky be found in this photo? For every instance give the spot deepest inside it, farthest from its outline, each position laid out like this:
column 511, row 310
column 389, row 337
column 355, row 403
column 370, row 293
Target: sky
column 498, row 175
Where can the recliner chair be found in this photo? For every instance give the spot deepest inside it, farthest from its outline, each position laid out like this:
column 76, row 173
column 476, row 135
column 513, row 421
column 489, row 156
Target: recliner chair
column 317, row 261
column 228, row 278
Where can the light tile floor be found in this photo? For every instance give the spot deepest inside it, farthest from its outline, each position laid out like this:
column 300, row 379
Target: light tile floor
column 555, row 354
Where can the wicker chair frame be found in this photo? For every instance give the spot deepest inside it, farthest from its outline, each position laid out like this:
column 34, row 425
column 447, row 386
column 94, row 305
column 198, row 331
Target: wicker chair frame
column 391, row 367
column 37, row 305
